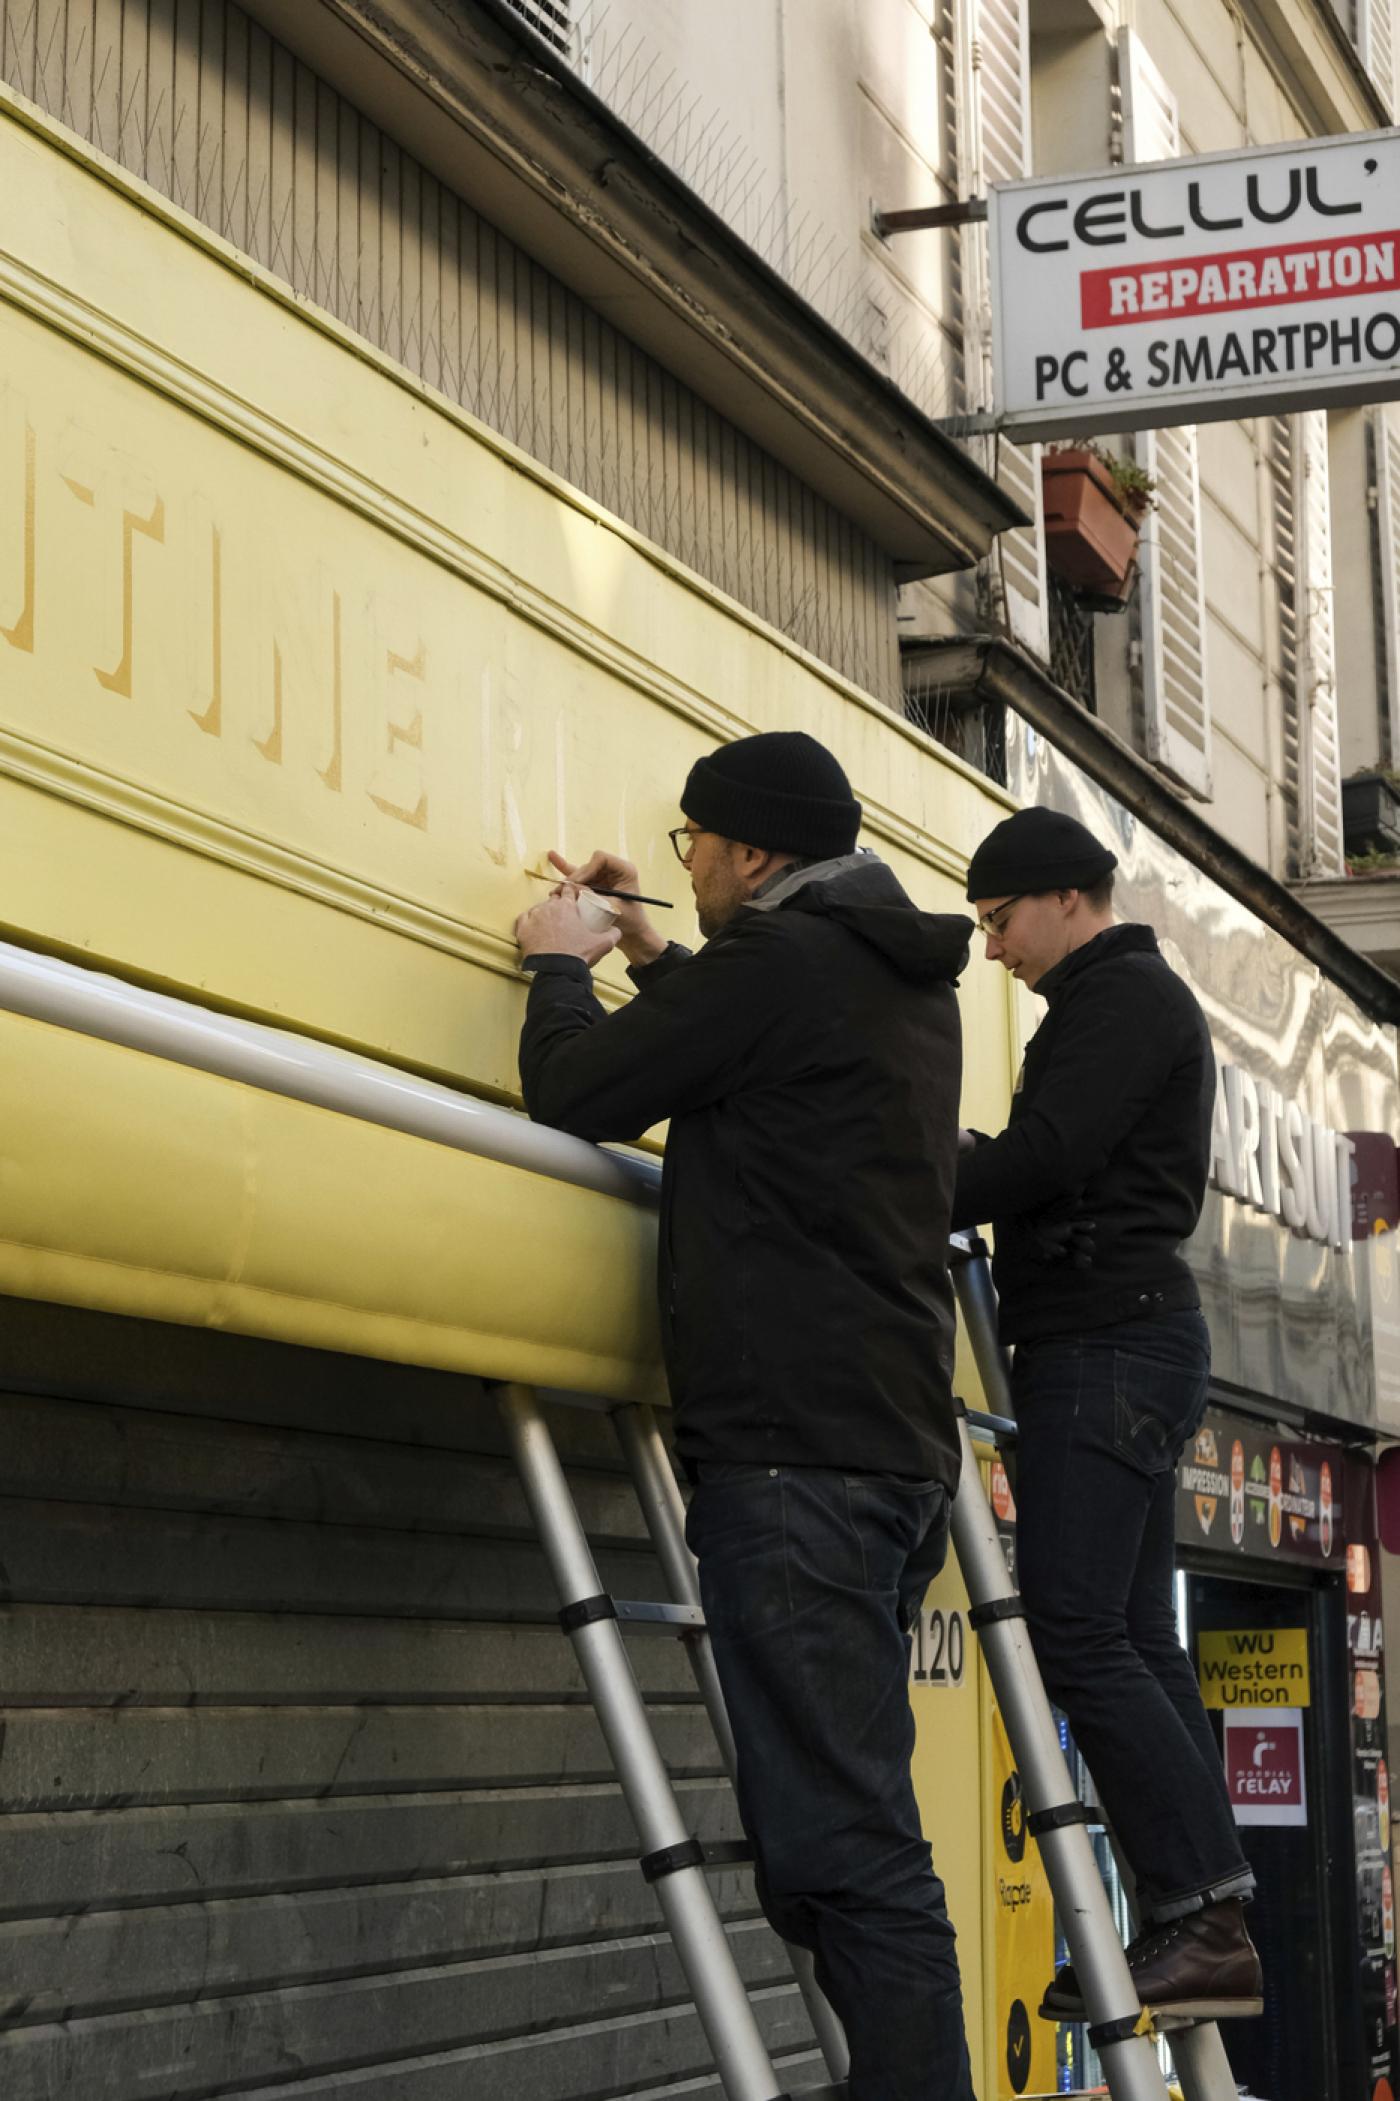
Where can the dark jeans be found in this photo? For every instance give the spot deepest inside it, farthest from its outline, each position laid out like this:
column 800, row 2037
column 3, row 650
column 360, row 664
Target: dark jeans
column 1101, row 1420
column 810, row 1581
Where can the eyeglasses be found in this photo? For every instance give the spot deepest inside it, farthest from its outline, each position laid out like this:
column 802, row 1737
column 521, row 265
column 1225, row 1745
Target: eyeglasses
column 683, row 842
column 998, row 919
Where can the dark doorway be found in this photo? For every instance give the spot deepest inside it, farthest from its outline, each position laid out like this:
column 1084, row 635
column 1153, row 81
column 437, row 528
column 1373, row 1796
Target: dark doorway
column 1308, row 2045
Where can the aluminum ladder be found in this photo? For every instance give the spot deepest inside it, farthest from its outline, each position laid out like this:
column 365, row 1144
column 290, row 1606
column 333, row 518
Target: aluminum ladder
column 673, row 1860
column 1118, row 2029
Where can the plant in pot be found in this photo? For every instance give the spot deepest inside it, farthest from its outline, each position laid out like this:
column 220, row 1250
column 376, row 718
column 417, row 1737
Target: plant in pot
column 1371, row 813
column 1095, row 504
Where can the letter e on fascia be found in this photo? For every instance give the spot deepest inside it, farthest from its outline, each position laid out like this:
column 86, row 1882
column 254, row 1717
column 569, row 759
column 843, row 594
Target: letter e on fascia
column 1155, row 285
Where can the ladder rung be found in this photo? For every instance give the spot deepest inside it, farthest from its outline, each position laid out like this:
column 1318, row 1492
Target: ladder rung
column 1001, row 1428
column 644, row 1613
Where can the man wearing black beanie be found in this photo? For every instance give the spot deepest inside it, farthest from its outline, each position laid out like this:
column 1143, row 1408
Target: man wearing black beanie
column 809, row 1059
column 1092, row 1187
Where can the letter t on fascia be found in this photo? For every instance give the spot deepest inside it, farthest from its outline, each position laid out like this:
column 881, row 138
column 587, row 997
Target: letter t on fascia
column 1224, row 1157
column 1242, row 1097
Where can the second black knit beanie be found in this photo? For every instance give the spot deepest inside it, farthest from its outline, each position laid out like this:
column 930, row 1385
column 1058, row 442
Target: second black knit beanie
column 1037, row 849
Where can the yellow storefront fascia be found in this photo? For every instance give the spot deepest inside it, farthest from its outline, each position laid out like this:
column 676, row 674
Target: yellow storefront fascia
column 301, row 668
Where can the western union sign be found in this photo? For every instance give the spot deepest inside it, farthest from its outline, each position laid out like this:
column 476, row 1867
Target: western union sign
column 1254, row 1667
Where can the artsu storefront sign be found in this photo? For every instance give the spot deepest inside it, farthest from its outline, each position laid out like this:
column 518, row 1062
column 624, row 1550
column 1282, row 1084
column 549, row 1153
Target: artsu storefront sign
column 1270, row 1154
column 1182, row 291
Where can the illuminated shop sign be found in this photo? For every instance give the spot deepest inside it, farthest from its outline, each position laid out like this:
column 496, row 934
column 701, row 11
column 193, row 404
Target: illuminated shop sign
column 1243, row 1487
column 1268, row 1152
column 1222, row 285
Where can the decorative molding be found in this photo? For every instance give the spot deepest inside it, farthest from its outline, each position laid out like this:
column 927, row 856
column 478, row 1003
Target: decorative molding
column 66, row 313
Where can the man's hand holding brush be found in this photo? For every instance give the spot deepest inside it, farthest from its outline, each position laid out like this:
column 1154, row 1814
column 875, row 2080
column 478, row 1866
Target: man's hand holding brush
column 554, row 927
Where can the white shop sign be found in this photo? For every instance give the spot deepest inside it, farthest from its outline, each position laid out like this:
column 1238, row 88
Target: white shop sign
column 1268, row 1152
column 1223, row 285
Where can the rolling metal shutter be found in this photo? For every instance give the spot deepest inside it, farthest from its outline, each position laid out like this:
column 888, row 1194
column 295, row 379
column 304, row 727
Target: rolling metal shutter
column 299, row 1792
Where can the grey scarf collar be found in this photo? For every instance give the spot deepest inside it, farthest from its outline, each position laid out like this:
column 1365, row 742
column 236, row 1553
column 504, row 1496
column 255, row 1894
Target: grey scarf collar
column 788, row 881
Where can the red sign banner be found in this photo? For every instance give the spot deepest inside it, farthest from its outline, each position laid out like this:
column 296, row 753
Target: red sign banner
column 1241, row 278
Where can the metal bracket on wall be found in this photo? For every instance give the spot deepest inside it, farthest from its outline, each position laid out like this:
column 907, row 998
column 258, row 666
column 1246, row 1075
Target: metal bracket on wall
column 965, row 211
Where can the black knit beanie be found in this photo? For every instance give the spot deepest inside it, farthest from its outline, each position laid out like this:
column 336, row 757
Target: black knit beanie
column 781, row 790
column 1037, row 849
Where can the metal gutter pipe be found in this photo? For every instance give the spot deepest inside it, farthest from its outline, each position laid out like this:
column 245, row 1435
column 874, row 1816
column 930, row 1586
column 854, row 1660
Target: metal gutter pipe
column 985, row 667
column 281, row 1062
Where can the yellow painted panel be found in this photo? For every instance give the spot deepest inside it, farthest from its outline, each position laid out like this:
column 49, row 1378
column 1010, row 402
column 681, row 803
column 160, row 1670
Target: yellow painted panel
column 300, row 667
column 946, row 1753
column 1254, row 1667
column 1021, row 2047
column 144, row 1188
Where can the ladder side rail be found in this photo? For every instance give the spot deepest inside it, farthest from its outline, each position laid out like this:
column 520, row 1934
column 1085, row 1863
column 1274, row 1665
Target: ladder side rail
column 662, row 1507
column 1101, row 1966
column 977, row 1301
column 1198, row 2052
column 741, row 2057
column 664, row 1511
column 1202, row 2067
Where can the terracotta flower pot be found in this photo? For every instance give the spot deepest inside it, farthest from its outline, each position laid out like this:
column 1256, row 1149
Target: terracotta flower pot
column 1091, row 528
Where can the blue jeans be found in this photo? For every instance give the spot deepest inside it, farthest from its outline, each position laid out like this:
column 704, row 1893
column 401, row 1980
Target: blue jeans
column 810, row 1580
column 1101, row 1420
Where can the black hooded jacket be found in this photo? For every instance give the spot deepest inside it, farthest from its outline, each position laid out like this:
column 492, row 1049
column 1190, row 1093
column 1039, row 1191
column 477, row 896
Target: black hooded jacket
column 809, row 1060
column 1111, row 1121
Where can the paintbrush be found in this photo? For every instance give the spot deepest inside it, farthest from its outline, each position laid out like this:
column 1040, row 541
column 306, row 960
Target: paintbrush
column 625, row 897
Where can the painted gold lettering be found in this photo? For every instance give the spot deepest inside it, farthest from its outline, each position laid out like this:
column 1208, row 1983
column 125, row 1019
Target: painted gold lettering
column 211, row 718
column 409, row 735
column 19, row 449
column 107, row 482
column 332, row 772
column 502, row 742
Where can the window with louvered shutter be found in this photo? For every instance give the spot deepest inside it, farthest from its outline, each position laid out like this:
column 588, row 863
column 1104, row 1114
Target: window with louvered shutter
column 548, row 18
column 994, row 146
column 1385, row 478
column 1171, row 588
column 1375, row 43
column 1319, row 744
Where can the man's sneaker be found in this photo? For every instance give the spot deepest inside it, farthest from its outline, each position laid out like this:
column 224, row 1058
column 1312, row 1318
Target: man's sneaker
column 1203, row 1966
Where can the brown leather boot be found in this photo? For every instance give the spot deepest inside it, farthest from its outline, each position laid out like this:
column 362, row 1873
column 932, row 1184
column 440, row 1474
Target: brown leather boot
column 1203, row 1966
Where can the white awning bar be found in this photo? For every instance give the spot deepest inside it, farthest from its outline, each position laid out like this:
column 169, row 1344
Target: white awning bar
column 282, row 1062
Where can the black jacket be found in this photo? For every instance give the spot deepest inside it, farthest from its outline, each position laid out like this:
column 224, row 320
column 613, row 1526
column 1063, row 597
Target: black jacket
column 1112, row 1118
column 809, row 1060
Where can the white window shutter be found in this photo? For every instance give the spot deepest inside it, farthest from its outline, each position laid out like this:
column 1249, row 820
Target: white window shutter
column 549, row 19
column 1375, row 44
column 994, row 146
column 1171, row 584
column 1385, row 440
column 1319, row 743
